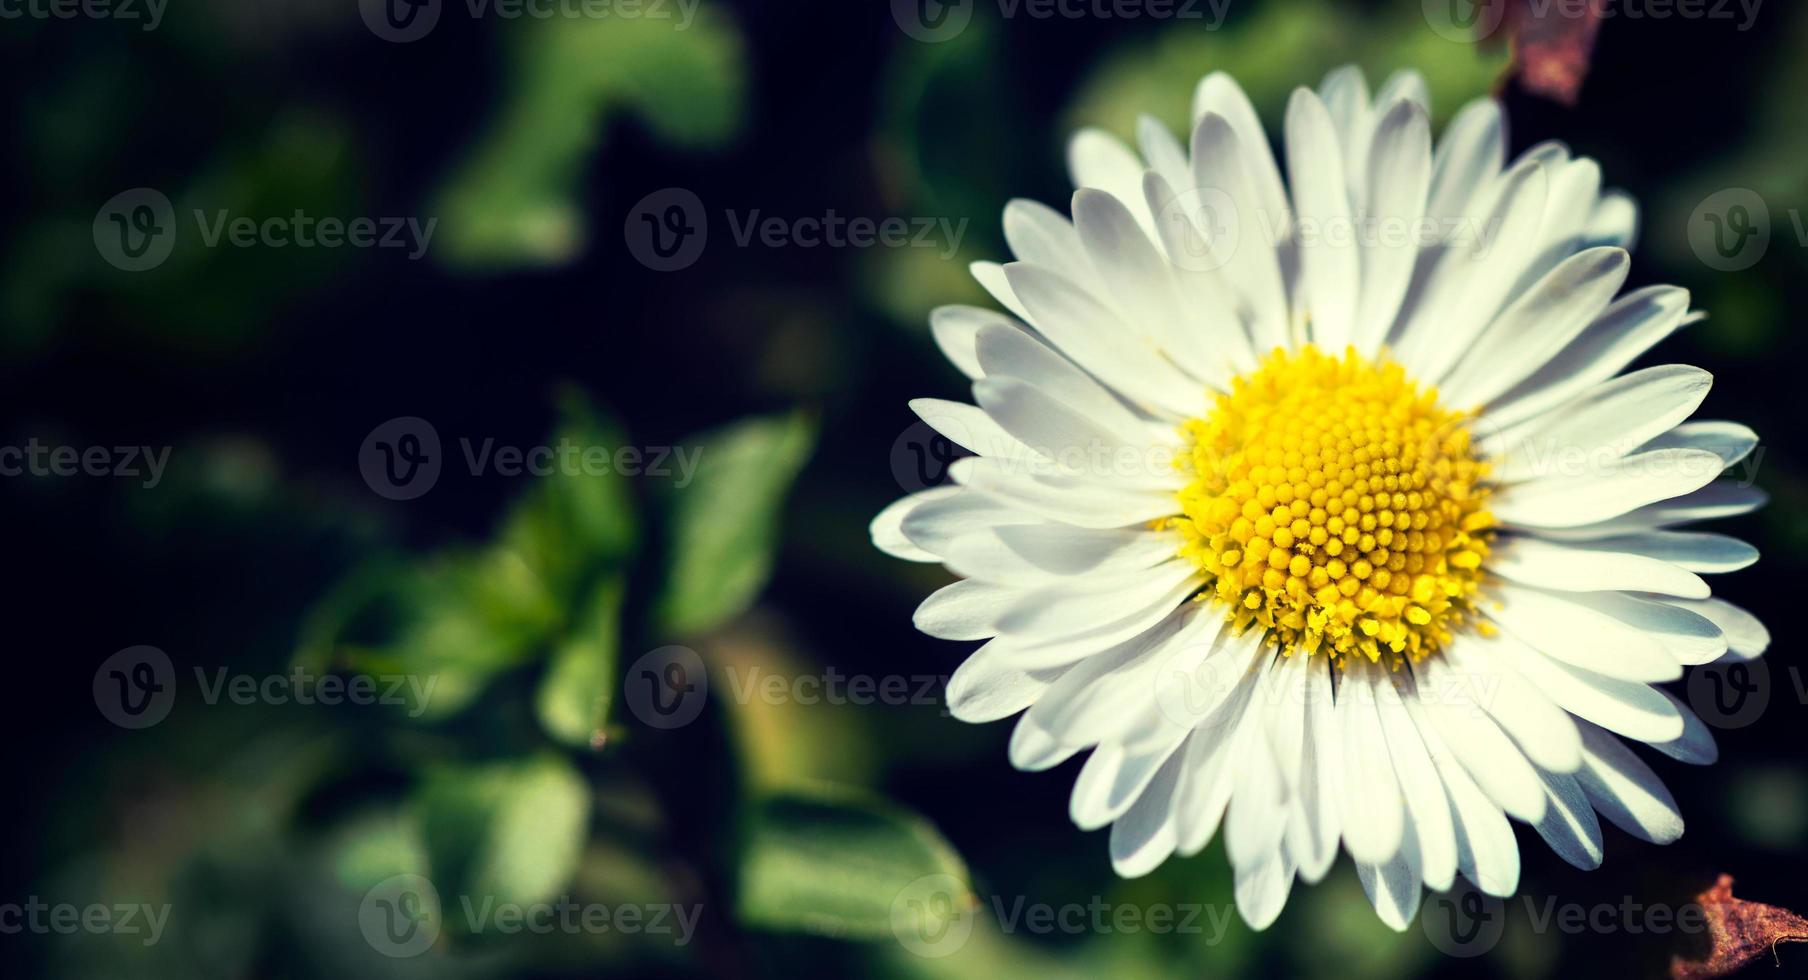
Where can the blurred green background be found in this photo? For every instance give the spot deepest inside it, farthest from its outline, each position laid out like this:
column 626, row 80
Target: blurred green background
column 789, row 827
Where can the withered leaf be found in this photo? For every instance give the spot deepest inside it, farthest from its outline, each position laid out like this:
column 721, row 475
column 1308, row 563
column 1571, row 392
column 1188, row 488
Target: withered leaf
column 1551, row 42
column 1738, row 933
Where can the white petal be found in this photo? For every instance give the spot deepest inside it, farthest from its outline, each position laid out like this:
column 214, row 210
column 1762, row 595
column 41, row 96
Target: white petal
column 1544, row 731
column 987, row 687
column 1328, row 256
column 1628, row 328
column 1499, row 767
column 1034, row 750
column 1072, row 500
column 1730, row 441
column 887, row 529
column 937, row 523
column 1144, row 836
column 1040, row 235
column 1471, row 153
column 1399, row 178
column 1074, row 441
column 956, row 328
column 1487, row 853
column 1262, row 887
column 1610, row 489
column 1473, row 275
column 1241, row 231
column 1585, row 566
column 1630, row 708
column 1095, row 158
column 1394, row 888
column 1570, row 628
column 1015, row 354
column 991, row 277
column 1746, row 637
column 1218, row 94
column 1606, row 422
column 1533, row 328
column 1696, row 744
column 1103, row 344
column 1373, row 814
column 1427, row 808
column 1625, row 790
column 1569, row 825
column 1712, row 502
column 965, row 610
column 969, row 427
column 1140, row 283
column 1321, row 778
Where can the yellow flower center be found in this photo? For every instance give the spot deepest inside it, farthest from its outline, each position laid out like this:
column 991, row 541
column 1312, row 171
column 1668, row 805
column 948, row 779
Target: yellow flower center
column 1337, row 505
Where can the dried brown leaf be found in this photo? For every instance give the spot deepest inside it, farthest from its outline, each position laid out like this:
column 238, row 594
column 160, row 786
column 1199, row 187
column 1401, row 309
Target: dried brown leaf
column 1739, row 932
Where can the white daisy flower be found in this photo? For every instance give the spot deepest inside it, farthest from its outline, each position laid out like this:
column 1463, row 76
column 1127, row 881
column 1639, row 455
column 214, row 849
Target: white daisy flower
column 1317, row 507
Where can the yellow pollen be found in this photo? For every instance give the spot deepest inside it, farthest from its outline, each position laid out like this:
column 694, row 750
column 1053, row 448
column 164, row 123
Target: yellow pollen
column 1337, row 506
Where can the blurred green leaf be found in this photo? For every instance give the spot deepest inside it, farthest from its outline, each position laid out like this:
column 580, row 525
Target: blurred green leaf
column 514, row 200
column 511, row 831
column 724, row 526
column 572, row 526
column 832, row 863
column 452, row 621
column 574, row 697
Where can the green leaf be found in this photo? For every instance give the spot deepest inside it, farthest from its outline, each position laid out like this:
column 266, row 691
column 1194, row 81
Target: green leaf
column 516, row 199
column 574, row 697
column 572, row 525
column 511, row 831
column 828, row 862
column 448, row 624
column 723, row 527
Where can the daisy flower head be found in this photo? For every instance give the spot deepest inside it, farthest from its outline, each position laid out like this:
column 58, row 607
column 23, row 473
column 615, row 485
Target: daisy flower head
column 1314, row 504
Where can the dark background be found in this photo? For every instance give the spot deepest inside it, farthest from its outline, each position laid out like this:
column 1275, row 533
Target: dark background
column 265, row 369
